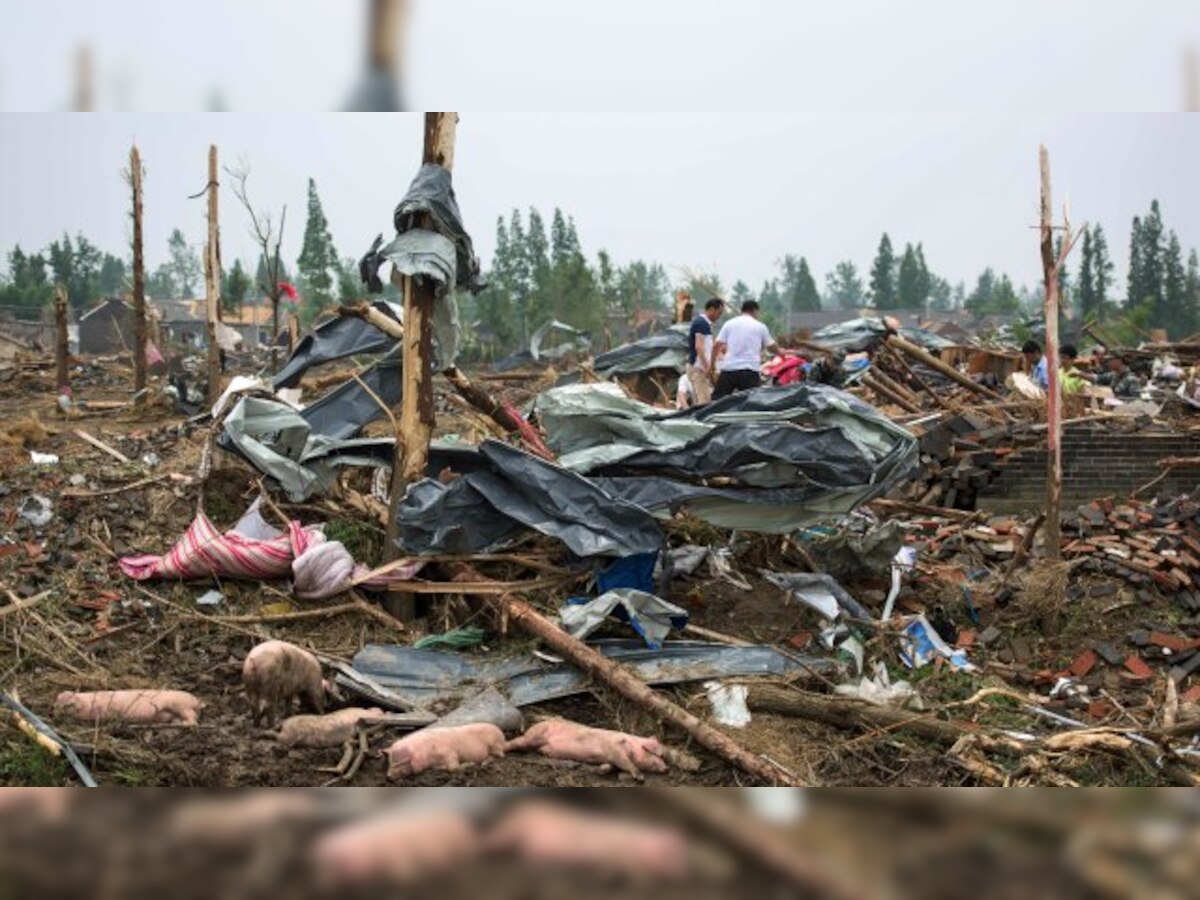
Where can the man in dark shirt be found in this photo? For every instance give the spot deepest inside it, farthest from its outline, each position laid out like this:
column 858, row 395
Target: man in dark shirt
column 700, row 370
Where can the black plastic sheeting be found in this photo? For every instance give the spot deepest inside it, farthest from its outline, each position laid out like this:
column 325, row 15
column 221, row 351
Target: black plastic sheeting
column 657, row 351
column 349, row 408
column 335, row 339
column 510, row 491
column 431, row 192
column 434, row 676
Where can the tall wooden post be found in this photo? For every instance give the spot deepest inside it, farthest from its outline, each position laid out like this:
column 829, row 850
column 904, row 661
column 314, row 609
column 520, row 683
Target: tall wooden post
column 62, row 347
column 416, row 404
column 1050, row 264
column 139, row 280
column 212, row 281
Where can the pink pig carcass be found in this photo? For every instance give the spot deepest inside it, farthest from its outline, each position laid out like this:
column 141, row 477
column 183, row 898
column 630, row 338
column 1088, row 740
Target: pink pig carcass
column 562, row 739
column 448, row 749
column 275, row 673
column 328, row 730
column 394, row 848
column 140, row 707
column 545, row 834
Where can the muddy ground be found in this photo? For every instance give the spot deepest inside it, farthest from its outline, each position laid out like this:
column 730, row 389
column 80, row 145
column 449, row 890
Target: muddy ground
column 96, row 629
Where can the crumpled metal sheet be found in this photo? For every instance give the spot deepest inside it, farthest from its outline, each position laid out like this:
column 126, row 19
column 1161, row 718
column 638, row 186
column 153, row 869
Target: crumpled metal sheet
column 432, row 676
column 785, row 456
column 665, row 350
column 848, row 553
column 510, row 491
column 336, row 338
column 821, row 592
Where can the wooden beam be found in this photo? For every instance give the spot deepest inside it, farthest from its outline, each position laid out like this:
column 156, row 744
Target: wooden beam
column 212, row 283
column 923, row 356
column 1053, row 390
column 139, row 280
column 62, row 348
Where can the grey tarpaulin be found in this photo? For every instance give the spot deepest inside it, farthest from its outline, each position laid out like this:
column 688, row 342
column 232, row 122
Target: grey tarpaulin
column 849, row 553
column 666, row 350
column 579, row 342
column 335, row 339
column 349, row 407
column 786, row 456
column 857, row 335
column 650, row 616
column 433, row 676
column 510, row 491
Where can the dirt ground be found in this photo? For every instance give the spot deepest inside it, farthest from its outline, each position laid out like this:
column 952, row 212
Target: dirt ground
column 96, row 629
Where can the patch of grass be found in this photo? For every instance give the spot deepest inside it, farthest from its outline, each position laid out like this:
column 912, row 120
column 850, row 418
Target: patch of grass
column 23, row 763
column 134, row 777
column 363, row 540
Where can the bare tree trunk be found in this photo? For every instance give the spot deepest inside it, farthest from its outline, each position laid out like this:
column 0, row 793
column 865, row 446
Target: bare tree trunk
column 212, row 274
column 416, row 404
column 1053, row 391
column 139, row 280
column 62, row 348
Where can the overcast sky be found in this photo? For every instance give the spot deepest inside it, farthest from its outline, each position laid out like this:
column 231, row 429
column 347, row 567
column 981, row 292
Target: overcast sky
column 935, row 55
column 724, row 192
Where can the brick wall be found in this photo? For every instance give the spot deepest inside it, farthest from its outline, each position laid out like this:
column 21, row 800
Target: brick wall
column 1096, row 464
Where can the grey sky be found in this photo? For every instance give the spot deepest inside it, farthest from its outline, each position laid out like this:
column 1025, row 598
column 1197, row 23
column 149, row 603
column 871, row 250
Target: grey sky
column 730, row 192
column 1017, row 56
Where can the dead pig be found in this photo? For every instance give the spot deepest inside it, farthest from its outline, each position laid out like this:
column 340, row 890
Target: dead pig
column 328, row 730
column 275, row 673
column 562, row 739
column 140, row 707
column 448, row 749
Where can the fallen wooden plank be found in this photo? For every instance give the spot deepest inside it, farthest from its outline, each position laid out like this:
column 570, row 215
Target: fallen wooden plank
column 100, row 445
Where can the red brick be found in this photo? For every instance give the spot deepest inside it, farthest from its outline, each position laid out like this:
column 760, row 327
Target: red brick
column 801, row 639
column 1174, row 642
column 1084, row 663
column 1191, row 695
column 1138, row 668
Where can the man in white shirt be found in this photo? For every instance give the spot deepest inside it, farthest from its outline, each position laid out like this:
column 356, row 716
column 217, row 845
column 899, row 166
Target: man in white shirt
column 739, row 351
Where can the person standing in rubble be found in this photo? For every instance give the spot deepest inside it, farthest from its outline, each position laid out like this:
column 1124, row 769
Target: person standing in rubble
column 1124, row 383
column 1035, row 364
column 739, row 351
column 700, row 371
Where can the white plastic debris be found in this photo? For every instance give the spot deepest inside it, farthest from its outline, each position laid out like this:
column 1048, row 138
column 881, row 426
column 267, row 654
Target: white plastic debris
column 36, row 510
column 210, row 598
column 728, row 703
column 779, row 806
column 904, row 561
column 879, row 689
column 43, row 459
column 150, row 460
column 77, row 480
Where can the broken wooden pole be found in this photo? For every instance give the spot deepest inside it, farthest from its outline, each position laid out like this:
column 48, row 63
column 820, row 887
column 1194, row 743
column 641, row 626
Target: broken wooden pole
column 139, row 281
column 624, row 682
column 416, row 372
column 212, row 284
column 476, row 396
column 1050, row 267
column 923, row 356
column 62, row 346
column 876, row 384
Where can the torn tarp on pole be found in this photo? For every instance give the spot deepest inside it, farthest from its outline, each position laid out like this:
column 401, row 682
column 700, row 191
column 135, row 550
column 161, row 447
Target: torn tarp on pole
column 510, row 491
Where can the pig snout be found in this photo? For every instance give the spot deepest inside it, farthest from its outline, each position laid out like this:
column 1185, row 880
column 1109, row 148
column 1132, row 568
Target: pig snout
column 447, row 749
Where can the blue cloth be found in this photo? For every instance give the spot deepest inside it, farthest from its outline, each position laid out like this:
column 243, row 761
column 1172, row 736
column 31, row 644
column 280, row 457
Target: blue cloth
column 1039, row 373
column 700, row 325
column 636, row 571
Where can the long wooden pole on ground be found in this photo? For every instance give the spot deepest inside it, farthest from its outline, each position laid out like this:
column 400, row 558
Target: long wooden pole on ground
column 139, row 280
column 1053, row 390
column 628, row 685
column 62, row 347
column 416, row 402
column 923, row 356
column 212, row 285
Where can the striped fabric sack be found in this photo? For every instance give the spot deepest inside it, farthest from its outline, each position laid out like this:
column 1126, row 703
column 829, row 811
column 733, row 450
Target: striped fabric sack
column 204, row 551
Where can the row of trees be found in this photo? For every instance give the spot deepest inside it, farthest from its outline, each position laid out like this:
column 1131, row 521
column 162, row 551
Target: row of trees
column 540, row 273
